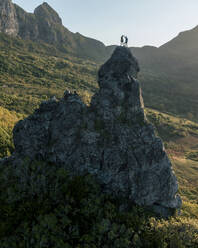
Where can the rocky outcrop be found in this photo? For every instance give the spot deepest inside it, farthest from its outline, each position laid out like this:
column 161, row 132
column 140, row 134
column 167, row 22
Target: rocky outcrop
column 44, row 24
column 8, row 22
column 111, row 139
column 27, row 23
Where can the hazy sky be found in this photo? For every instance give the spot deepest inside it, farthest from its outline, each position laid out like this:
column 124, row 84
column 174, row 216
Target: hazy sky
column 145, row 22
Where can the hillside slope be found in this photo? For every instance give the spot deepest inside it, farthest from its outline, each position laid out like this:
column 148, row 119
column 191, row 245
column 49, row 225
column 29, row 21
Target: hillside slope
column 170, row 73
column 32, row 72
column 181, row 141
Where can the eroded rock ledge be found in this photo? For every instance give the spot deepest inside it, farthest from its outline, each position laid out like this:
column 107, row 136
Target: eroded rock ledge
column 110, row 139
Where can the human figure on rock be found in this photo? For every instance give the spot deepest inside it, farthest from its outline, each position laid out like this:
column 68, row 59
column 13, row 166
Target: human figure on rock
column 122, row 40
column 126, row 41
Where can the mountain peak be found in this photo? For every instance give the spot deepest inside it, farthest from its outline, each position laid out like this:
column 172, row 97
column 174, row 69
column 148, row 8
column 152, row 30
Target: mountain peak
column 46, row 4
column 47, row 12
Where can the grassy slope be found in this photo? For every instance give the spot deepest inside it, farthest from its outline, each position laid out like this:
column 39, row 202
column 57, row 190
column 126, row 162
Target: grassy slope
column 30, row 73
column 180, row 137
column 165, row 93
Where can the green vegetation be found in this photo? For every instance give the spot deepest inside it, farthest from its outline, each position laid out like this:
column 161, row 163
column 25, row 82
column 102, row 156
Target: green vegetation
column 171, row 128
column 7, row 121
column 181, row 141
column 41, row 206
column 32, row 72
column 168, row 94
column 187, row 171
column 193, row 156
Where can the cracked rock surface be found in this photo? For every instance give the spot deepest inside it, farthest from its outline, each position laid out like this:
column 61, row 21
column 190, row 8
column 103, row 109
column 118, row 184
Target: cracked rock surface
column 110, row 139
column 8, row 23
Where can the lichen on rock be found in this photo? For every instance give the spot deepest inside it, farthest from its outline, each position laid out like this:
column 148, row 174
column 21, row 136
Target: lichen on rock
column 110, row 139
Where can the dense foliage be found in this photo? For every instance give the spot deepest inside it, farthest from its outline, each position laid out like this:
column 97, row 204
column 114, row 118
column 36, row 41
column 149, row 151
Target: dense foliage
column 7, row 121
column 41, row 206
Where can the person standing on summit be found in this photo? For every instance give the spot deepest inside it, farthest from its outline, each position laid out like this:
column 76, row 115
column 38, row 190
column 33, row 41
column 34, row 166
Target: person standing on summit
column 122, row 40
column 126, row 40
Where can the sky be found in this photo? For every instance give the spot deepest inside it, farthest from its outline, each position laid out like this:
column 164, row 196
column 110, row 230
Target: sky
column 145, row 22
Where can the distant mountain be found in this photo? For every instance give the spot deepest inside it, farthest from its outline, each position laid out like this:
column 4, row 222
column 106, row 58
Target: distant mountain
column 46, row 25
column 170, row 73
column 176, row 57
column 189, row 37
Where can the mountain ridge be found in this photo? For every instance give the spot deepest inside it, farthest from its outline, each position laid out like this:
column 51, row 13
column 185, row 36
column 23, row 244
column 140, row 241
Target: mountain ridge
column 46, row 25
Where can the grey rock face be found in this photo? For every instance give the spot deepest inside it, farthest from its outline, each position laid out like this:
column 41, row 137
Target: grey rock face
column 45, row 25
column 49, row 24
column 44, row 11
column 8, row 21
column 28, row 27
column 110, row 139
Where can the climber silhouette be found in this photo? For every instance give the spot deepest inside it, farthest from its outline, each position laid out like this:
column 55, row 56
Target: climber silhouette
column 122, row 40
column 126, row 40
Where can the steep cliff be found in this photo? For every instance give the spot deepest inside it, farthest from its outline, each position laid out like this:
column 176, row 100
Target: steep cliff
column 44, row 24
column 110, row 139
column 8, row 22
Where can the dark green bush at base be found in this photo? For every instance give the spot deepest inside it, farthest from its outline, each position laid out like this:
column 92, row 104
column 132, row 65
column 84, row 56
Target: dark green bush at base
column 42, row 206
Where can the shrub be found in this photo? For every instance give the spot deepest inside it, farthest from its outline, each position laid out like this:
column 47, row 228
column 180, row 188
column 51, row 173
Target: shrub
column 42, row 206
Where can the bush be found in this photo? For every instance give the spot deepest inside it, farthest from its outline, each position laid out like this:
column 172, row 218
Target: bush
column 42, row 206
